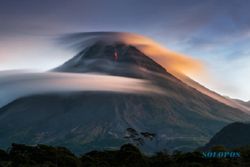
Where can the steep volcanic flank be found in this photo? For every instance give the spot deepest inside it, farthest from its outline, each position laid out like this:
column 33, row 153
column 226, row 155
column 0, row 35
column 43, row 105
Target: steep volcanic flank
column 182, row 117
column 179, row 65
column 113, row 59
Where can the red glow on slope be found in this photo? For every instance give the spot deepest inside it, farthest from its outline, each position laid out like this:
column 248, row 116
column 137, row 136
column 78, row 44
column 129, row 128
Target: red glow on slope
column 116, row 55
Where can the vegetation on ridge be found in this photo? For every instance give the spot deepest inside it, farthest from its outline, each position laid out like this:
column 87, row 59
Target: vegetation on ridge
column 127, row 156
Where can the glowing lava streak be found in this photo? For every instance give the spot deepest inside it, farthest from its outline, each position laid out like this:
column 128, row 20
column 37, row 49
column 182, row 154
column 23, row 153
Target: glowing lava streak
column 116, row 55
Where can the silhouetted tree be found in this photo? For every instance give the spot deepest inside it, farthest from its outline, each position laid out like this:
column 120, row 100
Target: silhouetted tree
column 148, row 135
column 138, row 138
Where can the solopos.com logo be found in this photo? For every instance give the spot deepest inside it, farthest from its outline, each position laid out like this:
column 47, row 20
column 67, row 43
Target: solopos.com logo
column 226, row 154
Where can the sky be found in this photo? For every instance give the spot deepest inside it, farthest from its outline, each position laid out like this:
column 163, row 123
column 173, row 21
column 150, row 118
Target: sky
column 214, row 32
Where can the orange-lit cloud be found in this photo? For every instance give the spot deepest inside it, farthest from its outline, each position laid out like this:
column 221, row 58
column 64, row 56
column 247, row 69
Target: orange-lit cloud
column 174, row 62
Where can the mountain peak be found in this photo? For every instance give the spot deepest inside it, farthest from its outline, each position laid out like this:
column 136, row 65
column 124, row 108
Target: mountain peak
column 107, row 55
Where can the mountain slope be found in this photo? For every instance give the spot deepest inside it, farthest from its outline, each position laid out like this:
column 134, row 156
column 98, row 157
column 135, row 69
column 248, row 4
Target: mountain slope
column 92, row 59
column 182, row 117
column 246, row 104
column 243, row 106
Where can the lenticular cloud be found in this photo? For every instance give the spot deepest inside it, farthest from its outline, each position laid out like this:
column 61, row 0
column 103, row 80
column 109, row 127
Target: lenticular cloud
column 18, row 84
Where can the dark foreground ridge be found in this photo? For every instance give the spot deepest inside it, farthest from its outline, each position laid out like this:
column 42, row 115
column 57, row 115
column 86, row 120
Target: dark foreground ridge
column 127, row 156
column 233, row 135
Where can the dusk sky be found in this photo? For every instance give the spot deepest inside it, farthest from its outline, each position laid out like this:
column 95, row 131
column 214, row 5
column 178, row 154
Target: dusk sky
column 216, row 32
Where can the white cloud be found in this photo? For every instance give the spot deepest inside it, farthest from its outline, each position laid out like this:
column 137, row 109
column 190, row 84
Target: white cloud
column 15, row 84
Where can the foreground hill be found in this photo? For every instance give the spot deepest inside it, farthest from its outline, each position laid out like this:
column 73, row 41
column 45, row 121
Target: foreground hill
column 231, row 136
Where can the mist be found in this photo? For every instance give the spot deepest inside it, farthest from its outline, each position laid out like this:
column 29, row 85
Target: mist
column 14, row 85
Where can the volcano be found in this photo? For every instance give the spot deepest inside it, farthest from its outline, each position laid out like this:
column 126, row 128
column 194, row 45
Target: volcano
column 182, row 117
